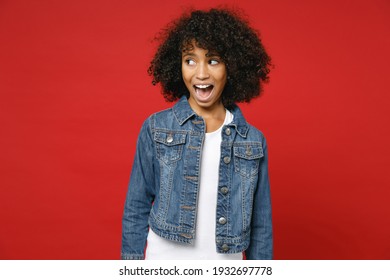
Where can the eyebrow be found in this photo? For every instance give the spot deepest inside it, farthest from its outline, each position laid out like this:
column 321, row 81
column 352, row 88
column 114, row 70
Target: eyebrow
column 184, row 53
column 211, row 53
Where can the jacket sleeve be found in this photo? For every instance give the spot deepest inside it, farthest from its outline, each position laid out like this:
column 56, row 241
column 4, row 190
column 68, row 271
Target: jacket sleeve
column 261, row 241
column 139, row 198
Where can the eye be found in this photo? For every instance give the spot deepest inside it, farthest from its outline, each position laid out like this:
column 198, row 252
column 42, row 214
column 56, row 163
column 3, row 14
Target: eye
column 190, row 61
column 213, row 61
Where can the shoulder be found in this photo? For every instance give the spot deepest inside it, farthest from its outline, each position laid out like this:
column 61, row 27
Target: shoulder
column 245, row 129
column 157, row 119
column 164, row 120
column 255, row 132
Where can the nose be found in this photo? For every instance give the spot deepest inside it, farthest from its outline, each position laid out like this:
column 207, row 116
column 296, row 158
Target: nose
column 202, row 72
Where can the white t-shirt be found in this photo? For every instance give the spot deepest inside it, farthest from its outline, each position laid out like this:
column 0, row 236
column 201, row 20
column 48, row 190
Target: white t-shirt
column 204, row 247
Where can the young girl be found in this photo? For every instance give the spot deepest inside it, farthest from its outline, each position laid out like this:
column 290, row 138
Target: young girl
column 199, row 186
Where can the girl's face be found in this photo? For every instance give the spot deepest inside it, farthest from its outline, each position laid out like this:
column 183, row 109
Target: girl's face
column 204, row 75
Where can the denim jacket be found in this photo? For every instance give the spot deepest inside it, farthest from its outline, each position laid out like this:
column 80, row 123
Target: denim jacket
column 164, row 185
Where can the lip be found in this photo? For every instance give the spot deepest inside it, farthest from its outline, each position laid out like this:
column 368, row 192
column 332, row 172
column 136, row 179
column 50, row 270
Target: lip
column 203, row 85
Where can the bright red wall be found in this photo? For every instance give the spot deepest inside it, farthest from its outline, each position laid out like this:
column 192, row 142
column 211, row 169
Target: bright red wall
column 74, row 92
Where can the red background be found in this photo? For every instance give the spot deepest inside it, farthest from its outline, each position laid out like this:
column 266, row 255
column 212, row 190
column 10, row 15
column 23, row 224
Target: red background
column 74, row 93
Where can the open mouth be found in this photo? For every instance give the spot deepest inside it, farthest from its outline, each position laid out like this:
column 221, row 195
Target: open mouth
column 203, row 91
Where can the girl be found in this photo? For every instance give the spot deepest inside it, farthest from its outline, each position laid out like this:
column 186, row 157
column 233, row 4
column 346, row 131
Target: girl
column 199, row 185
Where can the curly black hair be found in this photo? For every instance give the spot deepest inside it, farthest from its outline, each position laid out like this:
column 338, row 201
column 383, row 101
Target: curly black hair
column 222, row 31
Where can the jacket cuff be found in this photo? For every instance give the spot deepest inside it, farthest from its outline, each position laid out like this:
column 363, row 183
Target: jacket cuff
column 126, row 256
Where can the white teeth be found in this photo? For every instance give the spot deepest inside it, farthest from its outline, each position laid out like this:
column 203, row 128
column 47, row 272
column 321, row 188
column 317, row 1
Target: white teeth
column 202, row 86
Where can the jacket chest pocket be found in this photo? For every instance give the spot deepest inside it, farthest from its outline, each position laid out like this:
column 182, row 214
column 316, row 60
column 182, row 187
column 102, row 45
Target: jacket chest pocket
column 247, row 157
column 169, row 145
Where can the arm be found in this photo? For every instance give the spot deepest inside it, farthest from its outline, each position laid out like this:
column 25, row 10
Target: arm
column 139, row 198
column 261, row 242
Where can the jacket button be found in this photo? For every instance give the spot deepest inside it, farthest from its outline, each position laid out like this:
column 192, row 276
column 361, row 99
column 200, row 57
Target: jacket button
column 222, row 220
column 227, row 131
column 226, row 160
column 225, row 247
column 248, row 151
column 169, row 139
column 224, row 190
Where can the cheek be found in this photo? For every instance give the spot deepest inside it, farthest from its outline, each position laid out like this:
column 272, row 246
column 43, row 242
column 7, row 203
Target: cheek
column 185, row 75
column 222, row 80
column 186, row 80
column 222, row 76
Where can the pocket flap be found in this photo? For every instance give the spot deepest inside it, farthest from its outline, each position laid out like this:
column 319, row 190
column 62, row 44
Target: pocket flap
column 170, row 138
column 249, row 151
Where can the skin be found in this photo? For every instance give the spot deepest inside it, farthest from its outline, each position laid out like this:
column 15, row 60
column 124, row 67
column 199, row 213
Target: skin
column 199, row 67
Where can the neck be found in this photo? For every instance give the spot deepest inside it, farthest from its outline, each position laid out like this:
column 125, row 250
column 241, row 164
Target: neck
column 213, row 118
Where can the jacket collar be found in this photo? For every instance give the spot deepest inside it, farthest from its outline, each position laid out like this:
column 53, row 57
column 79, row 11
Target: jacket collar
column 183, row 112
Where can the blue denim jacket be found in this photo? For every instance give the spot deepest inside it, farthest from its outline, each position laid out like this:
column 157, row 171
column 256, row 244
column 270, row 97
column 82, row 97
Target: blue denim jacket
column 164, row 185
